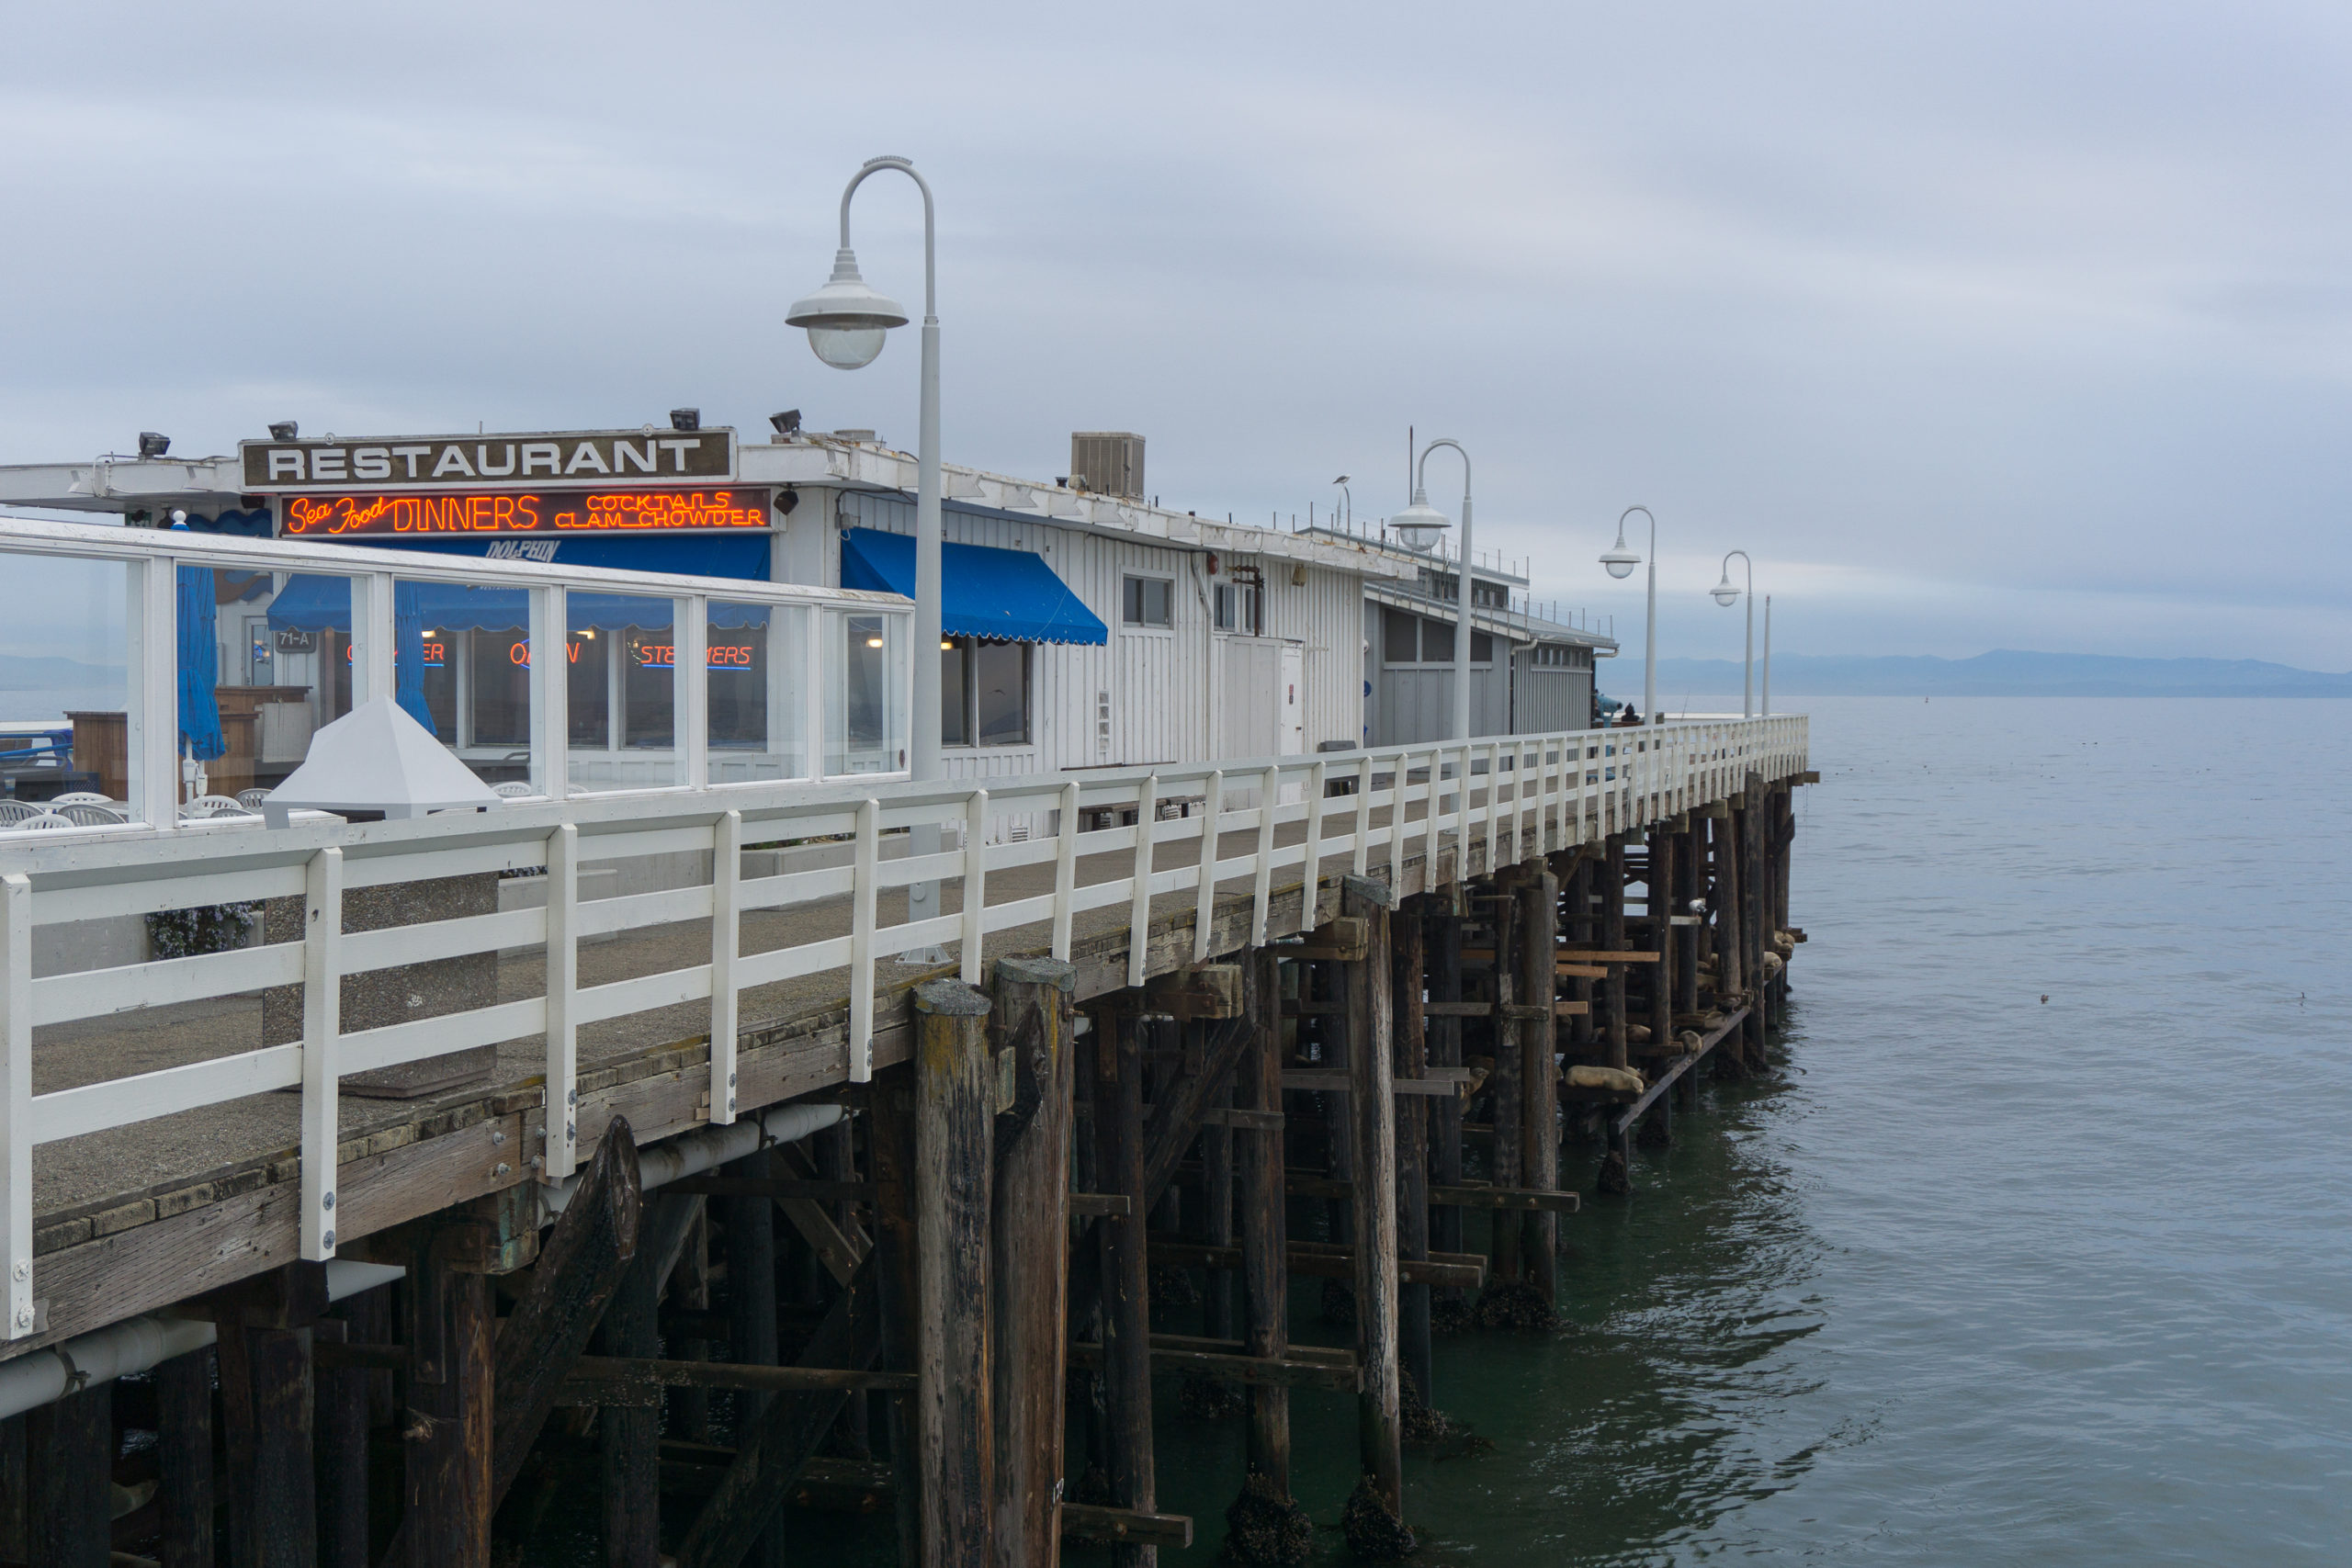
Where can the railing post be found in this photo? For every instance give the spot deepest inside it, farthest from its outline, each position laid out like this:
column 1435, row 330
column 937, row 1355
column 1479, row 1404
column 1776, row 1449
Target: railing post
column 1364, row 813
column 152, row 705
column 1311, row 866
column 726, row 942
column 865, row 870
column 322, row 1037
column 16, row 1098
column 371, row 636
column 690, row 690
column 1430, row 842
column 1262, row 890
column 1402, row 777
column 1493, row 805
column 1139, row 893
column 550, row 648
column 1205, row 902
column 1066, row 871
column 976, row 882
column 563, row 984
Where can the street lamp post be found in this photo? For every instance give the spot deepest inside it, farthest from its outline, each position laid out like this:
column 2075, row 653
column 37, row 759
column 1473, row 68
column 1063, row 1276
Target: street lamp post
column 1726, row 595
column 1420, row 520
column 847, row 322
column 1621, row 562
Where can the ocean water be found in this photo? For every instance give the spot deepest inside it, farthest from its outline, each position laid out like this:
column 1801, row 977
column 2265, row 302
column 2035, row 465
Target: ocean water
column 2036, row 1249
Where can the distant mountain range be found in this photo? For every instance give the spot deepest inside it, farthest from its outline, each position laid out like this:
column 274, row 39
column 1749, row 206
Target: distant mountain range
column 2005, row 672
column 42, row 686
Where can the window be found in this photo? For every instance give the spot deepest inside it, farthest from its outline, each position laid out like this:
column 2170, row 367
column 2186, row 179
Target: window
column 1437, row 642
column 984, row 692
column 1237, row 607
column 1399, row 636
column 501, row 686
column 1148, row 601
column 1559, row 655
column 1482, row 649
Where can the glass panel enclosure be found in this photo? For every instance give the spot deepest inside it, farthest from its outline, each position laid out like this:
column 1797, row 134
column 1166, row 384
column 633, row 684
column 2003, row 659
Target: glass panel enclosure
column 757, row 723
column 865, row 717
column 622, row 688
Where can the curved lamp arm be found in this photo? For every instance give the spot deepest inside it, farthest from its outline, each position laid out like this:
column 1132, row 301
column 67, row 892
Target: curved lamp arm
column 930, row 261
column 1747, row 563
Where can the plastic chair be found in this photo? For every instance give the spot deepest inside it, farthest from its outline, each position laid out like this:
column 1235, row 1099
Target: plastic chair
column 215, row 805
column 512, row 789
column 83, row 797
column 43, row 822
column 84, row 815
column 251, row 799
column 14, row 811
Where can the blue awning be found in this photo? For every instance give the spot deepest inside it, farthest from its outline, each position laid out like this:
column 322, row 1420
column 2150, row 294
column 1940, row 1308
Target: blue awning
column 1002, row 595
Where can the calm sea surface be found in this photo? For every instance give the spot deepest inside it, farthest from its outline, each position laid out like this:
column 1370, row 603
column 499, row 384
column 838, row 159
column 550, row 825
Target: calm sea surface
column 1980, row 1277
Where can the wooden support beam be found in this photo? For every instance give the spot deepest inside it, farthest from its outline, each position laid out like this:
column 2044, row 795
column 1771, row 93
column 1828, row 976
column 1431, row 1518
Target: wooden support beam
column 1539, row 913
column 1029, row 1262
column 955, row 1106
column 777, row 1448
column 1174, row 1122
column 1613, row 938
column 629, row 1435
column 632, row 1381
column 1408, row 944
column 1373, row 1133
column 184, row 1453
column 1258, row 1190
column 1125, row 1275
column 772, row 1187
column 1506, row 1079
column 890, row 1154
column 267, row 1398
column 1126, row 1527
column 451, row 1492
column 339, row 1454
column 68, row 1465
column 1569, row 955
column 1288, row 1373
column 579, row 1268
column 1443, row 967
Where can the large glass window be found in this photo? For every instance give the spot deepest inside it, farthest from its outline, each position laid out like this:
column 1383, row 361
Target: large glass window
column 1002, row 694
column 648, row 664
column 499, row 670
column 587, row 701
column 1399, row 636
column 753, row 676
column 1236, row 608
column 956, row 691
column 866, row 714
column 983, row 693
column 1148, row 601
column 1437, row 642
column 1482, row 649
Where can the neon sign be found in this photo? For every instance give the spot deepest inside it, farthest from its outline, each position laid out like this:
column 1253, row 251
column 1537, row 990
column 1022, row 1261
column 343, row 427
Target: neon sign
column 721, row 656
column 526, row 512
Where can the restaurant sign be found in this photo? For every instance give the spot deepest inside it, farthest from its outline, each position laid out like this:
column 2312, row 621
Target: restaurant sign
column 564, row 459
column 372, row 516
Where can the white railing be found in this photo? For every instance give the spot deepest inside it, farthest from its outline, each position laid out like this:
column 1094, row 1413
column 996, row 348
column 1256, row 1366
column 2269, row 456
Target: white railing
column 1542, row 793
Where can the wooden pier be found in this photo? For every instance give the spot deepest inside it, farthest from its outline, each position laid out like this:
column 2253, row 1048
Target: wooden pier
column 1370, row 1021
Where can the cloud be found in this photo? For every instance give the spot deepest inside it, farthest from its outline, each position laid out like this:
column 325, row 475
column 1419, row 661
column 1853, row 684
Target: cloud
column 2014, row 317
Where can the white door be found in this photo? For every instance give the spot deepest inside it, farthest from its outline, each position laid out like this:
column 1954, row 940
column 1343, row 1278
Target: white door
column 1292, row 714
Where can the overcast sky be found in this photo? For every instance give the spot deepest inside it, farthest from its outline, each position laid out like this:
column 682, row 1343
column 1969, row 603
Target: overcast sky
column 2022, row 325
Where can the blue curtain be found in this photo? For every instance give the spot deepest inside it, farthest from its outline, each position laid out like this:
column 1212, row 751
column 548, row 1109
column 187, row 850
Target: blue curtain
column 199, row 665
column 408, row 653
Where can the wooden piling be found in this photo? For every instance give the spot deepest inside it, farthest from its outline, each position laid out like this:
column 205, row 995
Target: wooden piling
column 1126, row 1303
column 1414, row 1353
column 1443, row 963
column 1371, row 1063
column 1658, row 897
column 955, row 1106
column 339, row 1454
column 1507, row 1167
column 1751, row 841
column 1539, row 908
column 1613, row 940
column 451, row 1327
column 629, row 1436
column 1029, row 1263
column 890, row 1157
column 184, row 1455
column 750, row 1237
column 1258, row 1181
column 69, row 1472
column 1690, row 851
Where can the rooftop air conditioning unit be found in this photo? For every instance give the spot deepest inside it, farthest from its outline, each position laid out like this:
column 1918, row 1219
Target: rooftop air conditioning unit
column 1108, row 462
